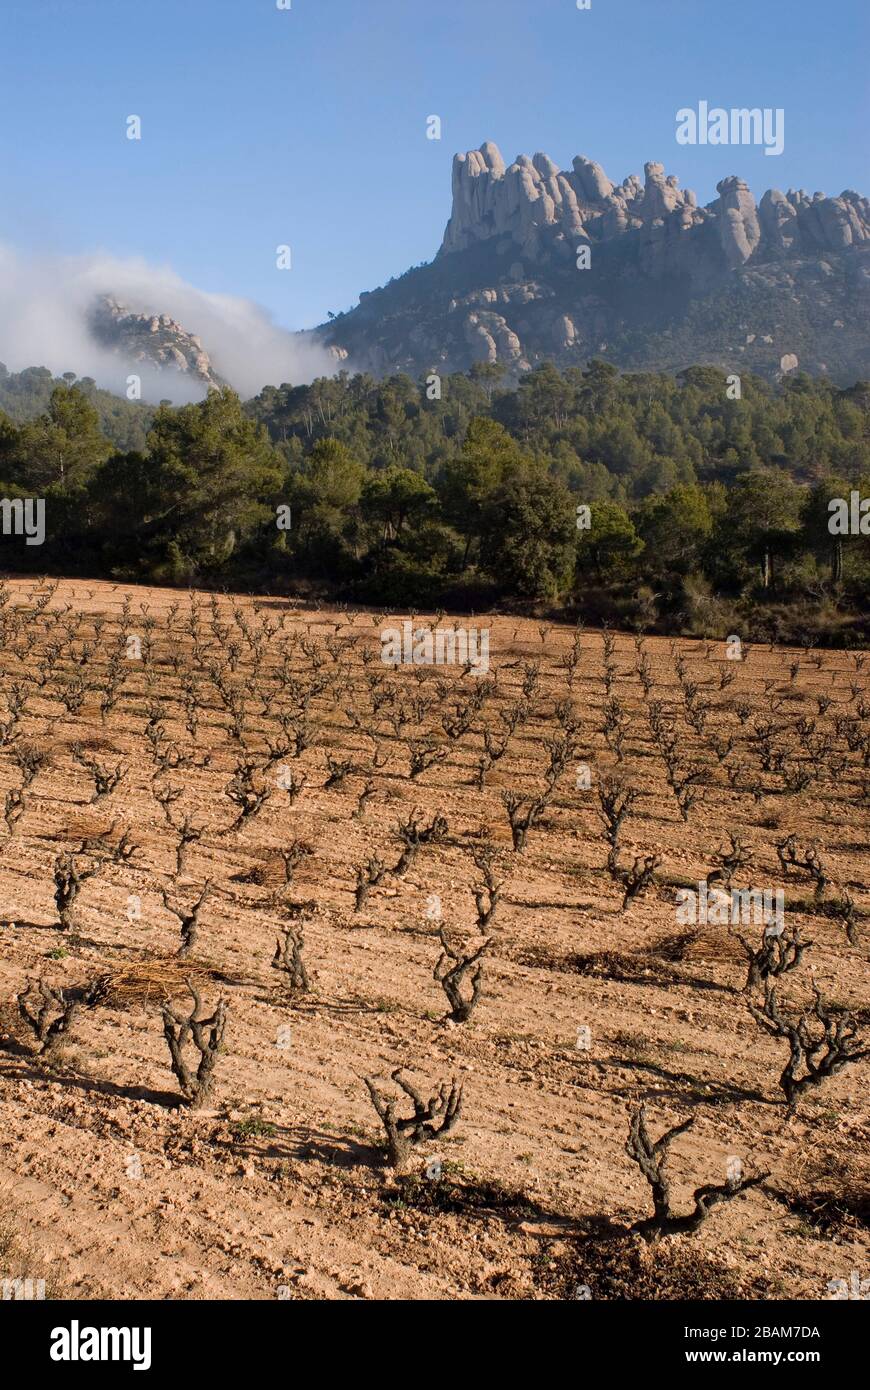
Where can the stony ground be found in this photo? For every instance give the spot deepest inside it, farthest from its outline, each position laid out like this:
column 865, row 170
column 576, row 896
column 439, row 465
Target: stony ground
column 277, row 1187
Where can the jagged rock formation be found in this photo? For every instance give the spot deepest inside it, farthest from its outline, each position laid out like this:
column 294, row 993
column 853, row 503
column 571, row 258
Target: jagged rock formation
column 540, row 263
column 545, row 211
column 155, row 339
column 665, row 281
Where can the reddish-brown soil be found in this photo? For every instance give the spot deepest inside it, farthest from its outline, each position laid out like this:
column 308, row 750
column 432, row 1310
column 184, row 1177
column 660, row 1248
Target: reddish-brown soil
column 278, row 1189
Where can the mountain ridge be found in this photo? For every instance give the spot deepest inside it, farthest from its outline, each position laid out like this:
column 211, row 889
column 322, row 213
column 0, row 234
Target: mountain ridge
column 505, row 287
column 538, row 264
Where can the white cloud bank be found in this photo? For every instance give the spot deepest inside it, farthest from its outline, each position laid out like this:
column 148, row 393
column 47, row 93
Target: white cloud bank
column 45, row 304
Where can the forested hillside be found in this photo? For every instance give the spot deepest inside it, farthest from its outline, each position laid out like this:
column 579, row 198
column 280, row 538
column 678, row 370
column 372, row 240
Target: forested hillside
column 706, row 514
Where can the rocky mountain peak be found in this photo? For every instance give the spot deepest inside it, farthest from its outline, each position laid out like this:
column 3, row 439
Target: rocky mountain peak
column 545, row 210
column 773, row 286
column 155, row 339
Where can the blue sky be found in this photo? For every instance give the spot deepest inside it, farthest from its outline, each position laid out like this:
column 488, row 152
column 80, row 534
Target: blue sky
column 307, row 126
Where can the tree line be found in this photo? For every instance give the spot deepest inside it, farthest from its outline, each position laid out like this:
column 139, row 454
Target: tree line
column 639, row 498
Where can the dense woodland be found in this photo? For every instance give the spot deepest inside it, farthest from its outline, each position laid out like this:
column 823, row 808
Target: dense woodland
column 708, row 515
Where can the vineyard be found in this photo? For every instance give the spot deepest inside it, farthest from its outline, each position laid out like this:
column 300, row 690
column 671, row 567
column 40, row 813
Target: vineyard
column 323, row 977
